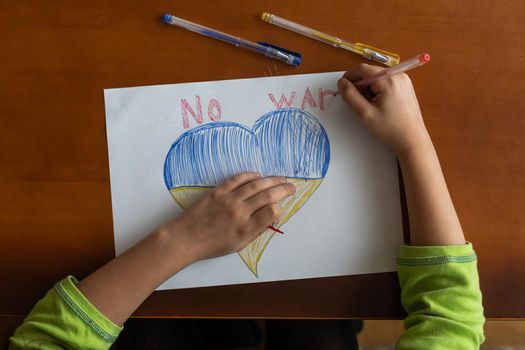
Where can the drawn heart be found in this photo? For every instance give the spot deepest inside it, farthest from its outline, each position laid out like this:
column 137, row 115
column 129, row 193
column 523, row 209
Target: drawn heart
column 286, row 142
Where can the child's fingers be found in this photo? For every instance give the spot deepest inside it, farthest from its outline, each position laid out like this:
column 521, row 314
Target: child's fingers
column 361, row 71
column 236, row 181
column 254, row 187
column 265, row 217
column 364, row 70
column 271, row 195
column 353, row 98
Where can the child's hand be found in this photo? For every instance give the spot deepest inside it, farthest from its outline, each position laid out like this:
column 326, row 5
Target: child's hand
column 230, row 216
column 391, row 113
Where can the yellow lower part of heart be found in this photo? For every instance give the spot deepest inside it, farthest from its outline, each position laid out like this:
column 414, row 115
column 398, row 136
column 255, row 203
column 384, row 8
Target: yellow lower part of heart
column 186, row 196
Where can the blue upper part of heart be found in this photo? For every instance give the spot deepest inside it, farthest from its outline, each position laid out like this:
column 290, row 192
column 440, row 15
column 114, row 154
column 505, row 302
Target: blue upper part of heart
column 286, row 142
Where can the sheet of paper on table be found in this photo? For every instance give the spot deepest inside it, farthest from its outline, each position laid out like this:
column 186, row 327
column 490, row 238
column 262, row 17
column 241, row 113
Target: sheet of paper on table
column 169, row 144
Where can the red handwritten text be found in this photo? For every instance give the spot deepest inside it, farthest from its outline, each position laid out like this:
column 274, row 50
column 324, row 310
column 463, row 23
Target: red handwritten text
column 283, row 100
column 214, row 105
column 322, row 94
column 214, row 111
column 307, row 101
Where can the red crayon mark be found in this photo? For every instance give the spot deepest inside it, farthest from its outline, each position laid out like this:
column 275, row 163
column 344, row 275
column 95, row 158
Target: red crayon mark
column 185, row 106
column 308, row 98
column 322, row 94
column 276, row 229
column 283, row 100
column 214, row 105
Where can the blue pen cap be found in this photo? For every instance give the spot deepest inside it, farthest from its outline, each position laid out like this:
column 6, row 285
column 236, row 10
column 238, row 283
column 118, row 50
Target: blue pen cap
column 292, row 58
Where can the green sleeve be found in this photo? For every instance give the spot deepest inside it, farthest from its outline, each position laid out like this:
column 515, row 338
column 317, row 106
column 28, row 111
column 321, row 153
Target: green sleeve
column 440, row 293
column 64, row 318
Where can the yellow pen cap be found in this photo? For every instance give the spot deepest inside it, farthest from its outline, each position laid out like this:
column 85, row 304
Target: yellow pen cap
column 378, row 55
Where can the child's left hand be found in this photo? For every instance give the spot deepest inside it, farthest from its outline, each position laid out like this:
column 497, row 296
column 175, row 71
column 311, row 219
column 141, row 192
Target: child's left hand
column 230, row 216
column 224, row 221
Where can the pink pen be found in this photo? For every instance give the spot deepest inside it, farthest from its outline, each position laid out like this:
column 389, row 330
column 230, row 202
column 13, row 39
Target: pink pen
column 386, row 73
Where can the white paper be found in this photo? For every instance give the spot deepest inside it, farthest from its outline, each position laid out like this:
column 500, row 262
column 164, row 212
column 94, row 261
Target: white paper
column 350, row 225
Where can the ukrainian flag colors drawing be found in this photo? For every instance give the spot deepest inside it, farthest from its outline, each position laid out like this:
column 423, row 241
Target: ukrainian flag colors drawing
column 286, row 142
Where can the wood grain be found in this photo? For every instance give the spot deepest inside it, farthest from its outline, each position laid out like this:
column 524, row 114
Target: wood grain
column 57, row 57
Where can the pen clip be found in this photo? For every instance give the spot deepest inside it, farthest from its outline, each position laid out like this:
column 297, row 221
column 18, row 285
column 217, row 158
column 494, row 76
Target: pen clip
column 392, row 58
column 280, row 49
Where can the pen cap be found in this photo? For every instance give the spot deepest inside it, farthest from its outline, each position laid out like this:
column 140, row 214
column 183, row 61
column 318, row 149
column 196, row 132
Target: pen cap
column 378, row 55
column 291, row 57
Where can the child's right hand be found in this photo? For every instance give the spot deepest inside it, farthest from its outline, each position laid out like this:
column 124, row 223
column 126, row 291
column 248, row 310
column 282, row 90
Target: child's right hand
column 230, row 216
column 392, row 114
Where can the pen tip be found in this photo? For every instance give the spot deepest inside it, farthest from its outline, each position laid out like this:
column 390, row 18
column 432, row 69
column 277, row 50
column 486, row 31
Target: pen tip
column 166, row 18
column 424, row 58
column 265, row 16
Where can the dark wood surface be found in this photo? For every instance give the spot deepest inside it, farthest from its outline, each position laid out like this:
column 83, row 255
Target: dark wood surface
column 57, row 57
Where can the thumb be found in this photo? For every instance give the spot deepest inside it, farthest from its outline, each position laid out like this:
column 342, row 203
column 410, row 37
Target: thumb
column 353, row 98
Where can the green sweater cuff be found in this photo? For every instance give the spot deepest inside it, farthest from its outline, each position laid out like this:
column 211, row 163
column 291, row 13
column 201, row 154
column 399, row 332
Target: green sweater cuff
column 87, row 312
column 65, row 319
column 440, row 293
column 435, row 255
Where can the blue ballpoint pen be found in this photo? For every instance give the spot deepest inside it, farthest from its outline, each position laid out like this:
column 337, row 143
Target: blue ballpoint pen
column 272, row 51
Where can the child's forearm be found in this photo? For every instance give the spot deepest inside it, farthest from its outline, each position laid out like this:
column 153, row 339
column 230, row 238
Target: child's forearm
column 393, row 115
column 433, row 219
column 224, row 221
column 439, row 285
column 119, row 287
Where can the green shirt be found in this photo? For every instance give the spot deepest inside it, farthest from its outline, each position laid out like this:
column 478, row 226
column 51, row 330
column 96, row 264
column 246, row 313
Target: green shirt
column 64, row 318
column 439, row 291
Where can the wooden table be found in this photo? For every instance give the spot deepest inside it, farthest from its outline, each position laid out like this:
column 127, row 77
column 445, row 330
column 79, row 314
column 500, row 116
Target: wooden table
column 57, row 57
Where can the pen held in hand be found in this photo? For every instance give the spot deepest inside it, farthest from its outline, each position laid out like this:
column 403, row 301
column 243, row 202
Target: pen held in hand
column 386, row 73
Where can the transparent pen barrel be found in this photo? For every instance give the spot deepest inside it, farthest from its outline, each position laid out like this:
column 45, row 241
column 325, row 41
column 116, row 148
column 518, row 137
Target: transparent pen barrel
column 300, row 29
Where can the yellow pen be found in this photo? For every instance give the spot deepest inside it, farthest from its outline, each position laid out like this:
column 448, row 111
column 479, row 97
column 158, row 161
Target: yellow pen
column 367, row 51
